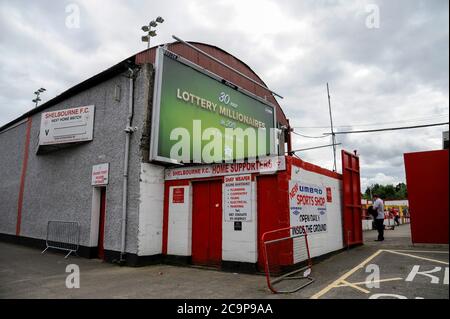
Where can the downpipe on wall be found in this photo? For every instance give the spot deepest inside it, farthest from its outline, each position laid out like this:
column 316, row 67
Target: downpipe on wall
column 129, row 130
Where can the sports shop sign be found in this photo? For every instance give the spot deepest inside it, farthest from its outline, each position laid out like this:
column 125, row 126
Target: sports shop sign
column 264, row 165
column 308, row 207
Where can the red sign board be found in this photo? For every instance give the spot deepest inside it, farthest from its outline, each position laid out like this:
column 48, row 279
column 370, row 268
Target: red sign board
column 178, row 195
column 329, row 195
column 262, row 165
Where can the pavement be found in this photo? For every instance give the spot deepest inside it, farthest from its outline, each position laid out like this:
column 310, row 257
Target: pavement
column 402, row 270
column 392, row 269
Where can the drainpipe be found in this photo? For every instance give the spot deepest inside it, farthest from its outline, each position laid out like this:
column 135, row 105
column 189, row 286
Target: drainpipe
column 128, row 131
column 289, row 140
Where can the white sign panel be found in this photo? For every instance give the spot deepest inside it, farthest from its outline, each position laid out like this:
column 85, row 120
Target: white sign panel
column 237, row 194
column 67, row 126
column 263, row 165
column 100, row 174
column 308, row 206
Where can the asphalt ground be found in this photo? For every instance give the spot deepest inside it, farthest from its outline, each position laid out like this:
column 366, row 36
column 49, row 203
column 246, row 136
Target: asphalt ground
column 374, row 270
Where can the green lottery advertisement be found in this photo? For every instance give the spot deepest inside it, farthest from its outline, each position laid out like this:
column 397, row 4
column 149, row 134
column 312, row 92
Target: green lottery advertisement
column 201, row 119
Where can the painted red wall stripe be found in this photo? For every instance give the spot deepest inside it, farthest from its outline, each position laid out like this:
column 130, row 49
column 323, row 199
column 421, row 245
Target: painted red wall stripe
column 22, row 176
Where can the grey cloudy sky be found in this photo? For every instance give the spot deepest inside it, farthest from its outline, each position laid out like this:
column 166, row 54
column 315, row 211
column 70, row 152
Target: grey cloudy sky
column 393, row 75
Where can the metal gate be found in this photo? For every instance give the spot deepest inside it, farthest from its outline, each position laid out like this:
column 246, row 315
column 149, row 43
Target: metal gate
column 287, row 261
column 62, row 236
column 352, row 224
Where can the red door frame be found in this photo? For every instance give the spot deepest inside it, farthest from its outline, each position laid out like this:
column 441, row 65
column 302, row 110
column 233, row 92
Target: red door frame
column 272, row 210
column 207, row 222
column 352, row 208
column 101, row 227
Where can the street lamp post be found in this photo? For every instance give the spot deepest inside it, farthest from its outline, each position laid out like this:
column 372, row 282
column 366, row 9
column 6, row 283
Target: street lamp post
column 148, row 29
column 38, row 99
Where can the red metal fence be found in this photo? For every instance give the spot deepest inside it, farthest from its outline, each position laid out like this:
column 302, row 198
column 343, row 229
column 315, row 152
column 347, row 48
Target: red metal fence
column 352, row 225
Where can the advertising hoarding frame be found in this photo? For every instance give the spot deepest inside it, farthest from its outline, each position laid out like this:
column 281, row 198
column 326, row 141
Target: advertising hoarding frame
column 52, row 140
column 156, row 105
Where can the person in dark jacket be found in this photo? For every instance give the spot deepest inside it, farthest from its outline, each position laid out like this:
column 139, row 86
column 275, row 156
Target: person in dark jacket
column 379, row 220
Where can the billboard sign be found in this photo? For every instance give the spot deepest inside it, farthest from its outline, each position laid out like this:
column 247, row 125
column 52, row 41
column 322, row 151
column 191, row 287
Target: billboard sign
column 200, row 118
column 67, row 126
column 308, row 206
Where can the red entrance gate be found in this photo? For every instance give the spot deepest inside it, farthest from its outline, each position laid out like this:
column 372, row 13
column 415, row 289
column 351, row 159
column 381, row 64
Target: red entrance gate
column 427, row 180
column 207, row 223
column 101, row 230
column 271, row 216
column 352, row 224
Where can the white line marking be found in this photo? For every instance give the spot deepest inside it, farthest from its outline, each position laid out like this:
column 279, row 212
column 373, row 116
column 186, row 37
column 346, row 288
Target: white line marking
column 422, row 251
column 338, row 282
column 417, row 257
column 345, row 276
column 371, row 281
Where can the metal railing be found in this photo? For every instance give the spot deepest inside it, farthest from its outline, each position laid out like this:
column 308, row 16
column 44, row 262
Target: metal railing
column 290, row 242
column 62, row 236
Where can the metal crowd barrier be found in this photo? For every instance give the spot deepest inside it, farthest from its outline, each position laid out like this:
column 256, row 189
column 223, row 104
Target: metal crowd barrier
column 295, row 273
column 62, row 236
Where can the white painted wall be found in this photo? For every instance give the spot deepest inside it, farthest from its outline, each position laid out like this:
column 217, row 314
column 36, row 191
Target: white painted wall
column 403, row 202
column 391, row 222
column 241, row 245
column 151, row 208
column 367, row 224
column 95, row 217
column 179, row 239
column 331, row 240
column 238, row 246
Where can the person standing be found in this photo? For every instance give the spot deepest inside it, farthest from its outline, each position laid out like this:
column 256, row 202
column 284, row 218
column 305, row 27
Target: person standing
column 379, row 220
column 396, row 216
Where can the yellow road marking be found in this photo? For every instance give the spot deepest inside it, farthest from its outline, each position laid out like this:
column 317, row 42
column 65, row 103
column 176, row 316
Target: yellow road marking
column 341, row 281
column 417, row 257
column 345, row 276
column 346, row 283
column 371, row 282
